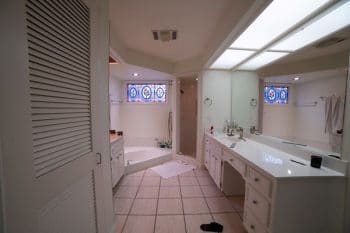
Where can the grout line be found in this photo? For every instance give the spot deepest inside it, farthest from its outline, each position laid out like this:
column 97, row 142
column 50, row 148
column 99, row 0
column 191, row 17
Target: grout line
column 155, row 220
column 132, row 204
column 211, row 214
column 182, row 202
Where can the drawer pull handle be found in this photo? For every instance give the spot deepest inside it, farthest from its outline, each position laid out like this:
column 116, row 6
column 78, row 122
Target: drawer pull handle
column 252, row 227
column 255, row 202
column 231, row 160
column 256, row 179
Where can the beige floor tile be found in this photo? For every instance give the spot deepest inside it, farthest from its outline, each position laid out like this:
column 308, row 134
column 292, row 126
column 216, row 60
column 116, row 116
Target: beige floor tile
column 144, row 207
column 172, row 181
column 150, row 172
column 139, row 173
column 205, row 180
column 126, row 191
column 190, row 173
column 169, row 206
column 201, row 172
column 170, row 224
column 195, row 206
column 193, row 222
column 139, row 224
column 169, row 192
column 188, row 180
column 122, row 206
column 231, row 222
column 119, row 223
column 148, row 192
column 237, row 202
column 211, row 191
column 150, row 181
column 219, row 205
column 131, row 181
column 191, row 191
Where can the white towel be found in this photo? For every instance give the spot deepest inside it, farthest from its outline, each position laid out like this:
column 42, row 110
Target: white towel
column 334, row 113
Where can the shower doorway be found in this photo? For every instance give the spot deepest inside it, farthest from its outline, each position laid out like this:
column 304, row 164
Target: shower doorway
column 188, row 116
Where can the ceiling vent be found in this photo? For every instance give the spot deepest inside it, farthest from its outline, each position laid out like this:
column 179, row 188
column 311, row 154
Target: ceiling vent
column 164, row 35
column 329, row 42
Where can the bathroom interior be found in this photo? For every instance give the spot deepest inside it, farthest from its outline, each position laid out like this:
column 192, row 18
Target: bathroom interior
column 210, row 118
column 225, row 116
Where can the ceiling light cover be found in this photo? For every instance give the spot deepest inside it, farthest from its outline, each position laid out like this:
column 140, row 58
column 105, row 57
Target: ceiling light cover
column 261, row 60
column 277, row 18
column 230, row 58
column 330, row 22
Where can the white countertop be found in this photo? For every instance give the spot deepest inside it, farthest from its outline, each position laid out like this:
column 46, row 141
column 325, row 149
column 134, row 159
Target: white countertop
column 273, row 161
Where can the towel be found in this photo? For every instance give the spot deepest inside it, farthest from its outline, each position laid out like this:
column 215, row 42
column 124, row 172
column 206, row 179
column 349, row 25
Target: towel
column 334, row 113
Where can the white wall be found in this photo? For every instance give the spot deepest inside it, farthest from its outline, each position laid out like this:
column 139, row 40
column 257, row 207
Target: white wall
column 217, row 87
column 245, row 86
column 115, row 97
column 143, row 123
column 279, row 120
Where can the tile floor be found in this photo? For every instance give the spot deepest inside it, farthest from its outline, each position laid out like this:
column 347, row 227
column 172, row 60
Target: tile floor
column 146, row 203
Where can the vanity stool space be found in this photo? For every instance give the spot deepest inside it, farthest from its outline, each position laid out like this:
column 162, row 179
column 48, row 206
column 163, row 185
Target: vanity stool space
column 280, row 196
column 117, row 158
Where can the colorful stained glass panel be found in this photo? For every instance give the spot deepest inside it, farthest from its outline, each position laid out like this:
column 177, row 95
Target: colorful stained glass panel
column 276, row 95
column 146, row 92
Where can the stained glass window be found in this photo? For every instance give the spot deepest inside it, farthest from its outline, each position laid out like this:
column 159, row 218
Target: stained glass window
column 276, row 95
column 146, row 92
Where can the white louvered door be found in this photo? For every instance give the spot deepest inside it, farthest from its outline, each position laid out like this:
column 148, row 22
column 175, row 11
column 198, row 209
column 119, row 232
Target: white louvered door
column 60, row 83
column 52, row 178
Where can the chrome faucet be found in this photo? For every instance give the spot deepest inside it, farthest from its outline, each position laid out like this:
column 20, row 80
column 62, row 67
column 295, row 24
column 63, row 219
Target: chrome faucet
column 240, row 130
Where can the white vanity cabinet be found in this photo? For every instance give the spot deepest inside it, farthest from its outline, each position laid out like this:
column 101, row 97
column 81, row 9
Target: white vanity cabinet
column 117, row 160
column 213, row 160
column 298, row 199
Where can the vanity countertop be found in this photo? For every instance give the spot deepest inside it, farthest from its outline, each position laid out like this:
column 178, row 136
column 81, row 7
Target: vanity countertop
column 114, row 137
column 275, row 162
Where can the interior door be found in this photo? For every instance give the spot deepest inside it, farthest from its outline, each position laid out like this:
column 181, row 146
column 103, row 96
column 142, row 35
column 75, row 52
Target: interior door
column 50, row 129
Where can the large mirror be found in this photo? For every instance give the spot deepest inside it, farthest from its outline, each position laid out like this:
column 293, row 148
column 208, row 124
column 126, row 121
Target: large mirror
column 306, row 109
column 300, row 99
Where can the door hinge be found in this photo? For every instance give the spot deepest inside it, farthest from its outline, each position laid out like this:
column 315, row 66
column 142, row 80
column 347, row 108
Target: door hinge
column 98, row 158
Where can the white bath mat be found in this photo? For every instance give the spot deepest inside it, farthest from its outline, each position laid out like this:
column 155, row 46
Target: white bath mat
column 173, row 168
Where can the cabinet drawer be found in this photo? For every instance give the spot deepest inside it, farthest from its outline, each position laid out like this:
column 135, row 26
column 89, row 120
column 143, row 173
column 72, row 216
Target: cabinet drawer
column 259, row 181
column 237, row 164
column 251, row 224
column 258, row 204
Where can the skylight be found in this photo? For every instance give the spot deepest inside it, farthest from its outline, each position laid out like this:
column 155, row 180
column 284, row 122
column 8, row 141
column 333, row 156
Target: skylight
column 334, row 20
column 277, row 18
column 261, row 60
column 230, row 58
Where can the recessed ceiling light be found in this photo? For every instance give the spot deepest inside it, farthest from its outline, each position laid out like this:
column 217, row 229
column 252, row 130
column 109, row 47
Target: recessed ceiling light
column 230, row 58
column 335, row 19
column 277, row 18
column 296, row 78
column 135, row 74
column 261, row 60
column 196, row 79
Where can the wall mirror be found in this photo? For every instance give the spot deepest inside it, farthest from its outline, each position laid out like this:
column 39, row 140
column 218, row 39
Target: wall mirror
column 306, row 109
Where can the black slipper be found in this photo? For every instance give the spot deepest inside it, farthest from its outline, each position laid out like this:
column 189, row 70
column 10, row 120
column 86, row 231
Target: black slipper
column 213, row 227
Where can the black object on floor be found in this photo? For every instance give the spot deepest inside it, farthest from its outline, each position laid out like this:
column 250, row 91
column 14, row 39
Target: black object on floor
column 213, row 227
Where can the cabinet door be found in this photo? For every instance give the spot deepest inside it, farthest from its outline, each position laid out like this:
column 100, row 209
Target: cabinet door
column 212, row 166
column 218, row 172
column 206, row 158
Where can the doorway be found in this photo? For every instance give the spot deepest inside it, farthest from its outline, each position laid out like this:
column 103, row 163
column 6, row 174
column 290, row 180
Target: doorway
column 188, row 116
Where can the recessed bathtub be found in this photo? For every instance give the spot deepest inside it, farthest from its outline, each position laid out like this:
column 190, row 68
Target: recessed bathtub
column 140, row 157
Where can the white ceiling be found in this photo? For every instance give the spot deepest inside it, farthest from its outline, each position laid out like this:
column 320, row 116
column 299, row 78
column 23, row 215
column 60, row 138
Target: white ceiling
column 197, row 22
column 308, row 77
column 125, row 71
column 312, row 52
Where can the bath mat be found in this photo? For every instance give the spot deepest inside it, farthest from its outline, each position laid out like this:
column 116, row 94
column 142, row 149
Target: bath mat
column 173, row 168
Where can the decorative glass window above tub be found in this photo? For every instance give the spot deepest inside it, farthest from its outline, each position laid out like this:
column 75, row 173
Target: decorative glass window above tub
column 146, row 92
column 276, row 95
